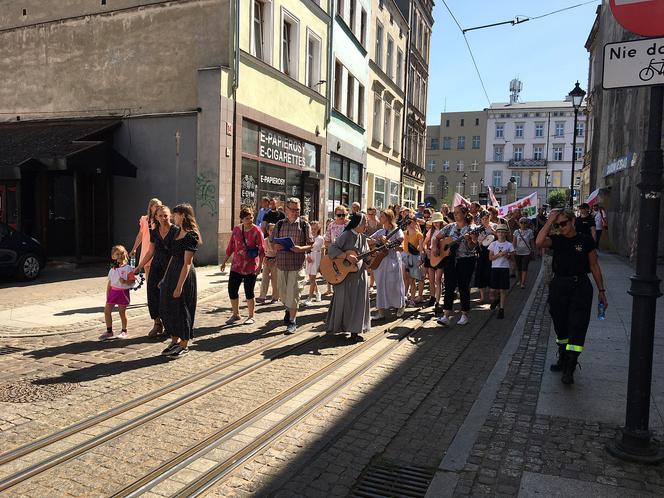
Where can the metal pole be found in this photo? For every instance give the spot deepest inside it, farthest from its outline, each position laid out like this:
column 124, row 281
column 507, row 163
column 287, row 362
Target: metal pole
column 634, row 441
column 571, row 182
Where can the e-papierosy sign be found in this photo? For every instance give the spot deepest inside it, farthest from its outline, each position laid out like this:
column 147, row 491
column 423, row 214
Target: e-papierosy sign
column 633, row 63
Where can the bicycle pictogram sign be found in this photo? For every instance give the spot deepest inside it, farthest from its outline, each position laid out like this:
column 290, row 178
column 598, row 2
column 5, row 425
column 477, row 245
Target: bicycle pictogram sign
column 647, row 73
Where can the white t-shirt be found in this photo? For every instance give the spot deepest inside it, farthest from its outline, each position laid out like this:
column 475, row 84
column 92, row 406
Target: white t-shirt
column 115, row 274
column 524, row 241
column 598, row 220
column 502, row 261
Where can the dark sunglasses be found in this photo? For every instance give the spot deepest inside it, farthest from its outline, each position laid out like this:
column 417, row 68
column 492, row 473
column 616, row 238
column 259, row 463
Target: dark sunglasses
column 561, row 224
column 340, row 215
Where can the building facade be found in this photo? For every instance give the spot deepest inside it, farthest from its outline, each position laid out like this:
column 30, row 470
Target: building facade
column 349, row 77
column 617, row 124
column 420, row 18
column 532, row 143
column 387, row 73
column 455, row 157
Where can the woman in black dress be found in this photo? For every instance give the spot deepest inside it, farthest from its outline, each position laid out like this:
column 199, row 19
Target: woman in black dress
column 178, row 287
column 157, row 256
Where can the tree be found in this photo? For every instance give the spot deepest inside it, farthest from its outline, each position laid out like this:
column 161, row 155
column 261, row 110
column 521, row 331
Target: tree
column 558, row 198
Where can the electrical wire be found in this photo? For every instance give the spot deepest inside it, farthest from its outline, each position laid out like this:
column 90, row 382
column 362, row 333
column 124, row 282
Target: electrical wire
column 470, row 50
column 562, row 10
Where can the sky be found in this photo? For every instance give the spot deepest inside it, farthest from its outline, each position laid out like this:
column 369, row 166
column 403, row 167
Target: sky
column 547, row 55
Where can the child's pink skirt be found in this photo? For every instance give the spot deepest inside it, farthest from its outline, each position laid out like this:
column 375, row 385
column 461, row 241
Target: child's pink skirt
column 118, row 296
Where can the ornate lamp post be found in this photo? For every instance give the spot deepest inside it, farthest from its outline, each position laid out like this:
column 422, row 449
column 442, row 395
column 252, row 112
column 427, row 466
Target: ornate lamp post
column 547, row 181
column 576, row 95
column 465, row 177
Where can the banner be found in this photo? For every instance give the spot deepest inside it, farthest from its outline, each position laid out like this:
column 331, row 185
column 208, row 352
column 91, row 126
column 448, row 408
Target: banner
column 592, row 198
column 527, row 205
column 459, row 200
column 492, row 198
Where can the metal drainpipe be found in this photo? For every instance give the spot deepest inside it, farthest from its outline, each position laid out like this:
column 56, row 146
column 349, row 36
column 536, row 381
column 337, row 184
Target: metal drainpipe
column 323, row 192
column 404, row 127
column 236, row 83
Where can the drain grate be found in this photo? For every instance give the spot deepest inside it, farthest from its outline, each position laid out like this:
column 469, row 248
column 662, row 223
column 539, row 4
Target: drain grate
column 31, row 390
column 382, row 480
column 9, row 350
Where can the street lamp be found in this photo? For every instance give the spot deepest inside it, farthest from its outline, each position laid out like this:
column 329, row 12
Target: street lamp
column 481, row 188
column 465, row 177
column 576, row 95
column 547, row 180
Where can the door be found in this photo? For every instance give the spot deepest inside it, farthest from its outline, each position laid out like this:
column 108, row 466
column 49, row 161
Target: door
column 310, row 200
column 9, row 204
column 61, row 212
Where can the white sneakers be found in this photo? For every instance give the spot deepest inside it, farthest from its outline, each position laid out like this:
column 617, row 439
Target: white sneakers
column 445, row 322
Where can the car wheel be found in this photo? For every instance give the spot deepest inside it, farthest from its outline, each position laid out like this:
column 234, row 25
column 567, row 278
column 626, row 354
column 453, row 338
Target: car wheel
column 29, row 267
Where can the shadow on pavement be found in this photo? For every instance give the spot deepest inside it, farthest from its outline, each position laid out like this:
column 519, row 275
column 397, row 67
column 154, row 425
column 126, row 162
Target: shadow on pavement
column 95, row 310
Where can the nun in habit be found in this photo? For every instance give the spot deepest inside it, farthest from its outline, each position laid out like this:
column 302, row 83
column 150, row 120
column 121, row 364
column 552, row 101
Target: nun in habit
column 349, row 311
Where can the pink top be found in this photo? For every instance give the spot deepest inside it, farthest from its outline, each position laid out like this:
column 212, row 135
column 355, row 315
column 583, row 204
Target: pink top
column 145, row 235
column 333, row 231
column 269, row 251
column 242, row 263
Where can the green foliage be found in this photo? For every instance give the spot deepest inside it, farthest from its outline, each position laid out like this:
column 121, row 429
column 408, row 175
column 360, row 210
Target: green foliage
column 558, row 198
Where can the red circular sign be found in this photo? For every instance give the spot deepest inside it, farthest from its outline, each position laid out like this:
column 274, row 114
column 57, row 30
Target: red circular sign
column 643, row 17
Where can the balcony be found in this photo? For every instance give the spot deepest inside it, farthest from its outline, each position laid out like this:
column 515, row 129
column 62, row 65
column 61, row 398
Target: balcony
column 412, row 169
column 527, row 163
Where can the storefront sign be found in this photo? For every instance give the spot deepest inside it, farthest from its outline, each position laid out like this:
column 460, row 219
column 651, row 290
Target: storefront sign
column 620, row 164
column 284, row 149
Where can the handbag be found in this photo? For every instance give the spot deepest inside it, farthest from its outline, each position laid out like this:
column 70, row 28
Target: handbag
column 252, row 252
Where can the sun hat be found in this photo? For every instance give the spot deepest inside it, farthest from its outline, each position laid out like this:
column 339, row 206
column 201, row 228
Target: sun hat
column 437, row 218
column 502, row 228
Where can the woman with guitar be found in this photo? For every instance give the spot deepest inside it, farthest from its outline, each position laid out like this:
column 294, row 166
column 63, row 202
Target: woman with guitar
column 390, row 287
column 349, row 310
column 459, row 265
column 434, row 271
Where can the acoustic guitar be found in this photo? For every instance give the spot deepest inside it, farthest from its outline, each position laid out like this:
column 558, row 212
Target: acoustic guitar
column 446, row 245
column 383, row 250
column 337, row 269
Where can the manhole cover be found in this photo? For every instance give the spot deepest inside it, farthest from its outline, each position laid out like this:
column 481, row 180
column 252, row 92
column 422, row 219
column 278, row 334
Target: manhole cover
column 383, row 480
column 30, row 390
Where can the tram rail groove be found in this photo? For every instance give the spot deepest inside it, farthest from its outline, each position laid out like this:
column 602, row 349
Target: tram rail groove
column 64, row 456
column 223, row 469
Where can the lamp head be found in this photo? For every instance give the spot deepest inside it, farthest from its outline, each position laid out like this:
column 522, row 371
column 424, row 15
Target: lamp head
column 577, row 95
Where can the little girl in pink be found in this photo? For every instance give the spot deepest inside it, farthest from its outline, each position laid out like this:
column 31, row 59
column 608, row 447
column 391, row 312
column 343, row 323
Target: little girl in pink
column 117, row 291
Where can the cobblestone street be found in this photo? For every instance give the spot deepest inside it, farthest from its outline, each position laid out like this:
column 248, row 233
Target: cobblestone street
column 451, row 412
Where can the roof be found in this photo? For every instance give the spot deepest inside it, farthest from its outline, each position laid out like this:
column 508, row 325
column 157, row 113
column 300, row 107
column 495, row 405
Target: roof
column 23, row 141
column 544, row 104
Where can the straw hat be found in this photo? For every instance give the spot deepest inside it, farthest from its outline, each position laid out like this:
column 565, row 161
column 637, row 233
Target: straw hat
column 502, row 228
column 437, row 217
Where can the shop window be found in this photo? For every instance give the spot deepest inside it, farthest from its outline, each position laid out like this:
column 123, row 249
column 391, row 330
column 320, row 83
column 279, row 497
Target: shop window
column 249, row 138
column 249, row 183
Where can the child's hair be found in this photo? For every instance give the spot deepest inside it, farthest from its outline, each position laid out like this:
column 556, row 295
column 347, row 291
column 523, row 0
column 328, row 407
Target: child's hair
column 123, row 251
column 315, row 228
column 269, row 227
column 189, row 222
column 154, row 202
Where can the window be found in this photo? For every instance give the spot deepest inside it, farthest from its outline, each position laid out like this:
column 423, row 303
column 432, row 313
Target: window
column 476, row 141
column 338, row 84
column 378, row 56
column 363, row 28
column 431, row 165
column 425, row 47
column 556, row 178
column 475, row 166
column 473, row 189
column 378, row 104
column 379, row 193
column 395, row 193
column 351, row 18
column 387, row 126
column 578, row 153
column 313, row 61
column 517, row 178
column 447, row 143
column 498, row 152
column 399, row 75
column 461, row 143
column 558, row 152
column 262, row 29
column 534, row 179
column 431, row 188
column 434, row 143
column 345, row 182
column 518, row 152
column 446, row 166
column 459, row 165
column 500, row 130
column 340, row 8
column 560, row 129
column 497, row 179
column 360, row 104
column 580, row 129
column 388, row 63
column 461, row 123
column 459, row 188
column 539, row 130
column 538, row 152
column 289, row 44
column 350, row 97
column 396, row 146
column 518, row 130
column 409, row 197
column 447, row 123
column 477, row 121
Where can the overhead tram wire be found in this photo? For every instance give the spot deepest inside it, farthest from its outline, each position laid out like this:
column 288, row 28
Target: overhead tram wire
column 470, row 50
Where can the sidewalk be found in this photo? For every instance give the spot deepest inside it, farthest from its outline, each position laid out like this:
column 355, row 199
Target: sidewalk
column 528, row 435
column 59, row 307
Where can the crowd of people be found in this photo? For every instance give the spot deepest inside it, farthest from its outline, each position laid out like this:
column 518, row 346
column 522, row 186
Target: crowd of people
column 394, row 253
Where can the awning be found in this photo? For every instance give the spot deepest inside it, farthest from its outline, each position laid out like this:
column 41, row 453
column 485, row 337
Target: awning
column 54, row 144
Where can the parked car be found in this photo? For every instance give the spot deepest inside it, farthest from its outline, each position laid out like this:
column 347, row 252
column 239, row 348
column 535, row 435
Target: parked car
column 20, row 254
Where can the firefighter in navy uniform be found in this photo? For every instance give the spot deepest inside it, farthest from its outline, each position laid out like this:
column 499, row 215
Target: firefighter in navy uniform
column 570, row 290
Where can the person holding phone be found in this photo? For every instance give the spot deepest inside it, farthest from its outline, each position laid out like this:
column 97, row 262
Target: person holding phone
column 500, row 252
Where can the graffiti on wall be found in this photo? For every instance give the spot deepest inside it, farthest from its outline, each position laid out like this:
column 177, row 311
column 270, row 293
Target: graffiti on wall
column 205, row 194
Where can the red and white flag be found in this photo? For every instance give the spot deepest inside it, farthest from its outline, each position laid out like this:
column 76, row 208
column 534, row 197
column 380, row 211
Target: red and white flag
column 593, row 198
column 459, row 200
column 492, row 198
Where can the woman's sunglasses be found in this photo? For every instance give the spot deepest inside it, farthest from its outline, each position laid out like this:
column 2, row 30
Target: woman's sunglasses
column 561, row 224
column 340, row 215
